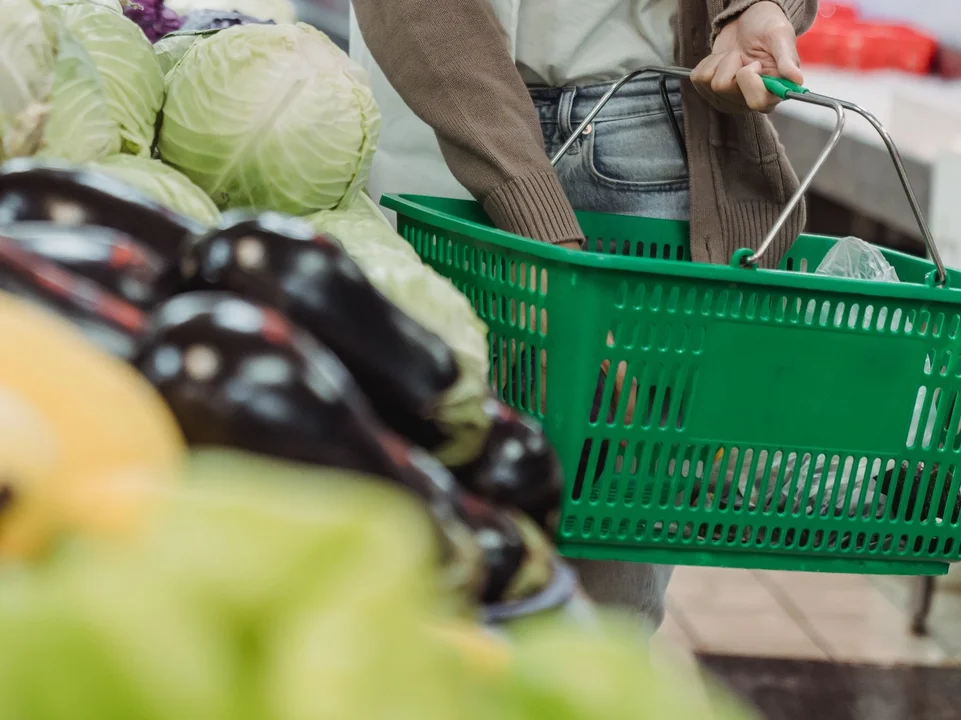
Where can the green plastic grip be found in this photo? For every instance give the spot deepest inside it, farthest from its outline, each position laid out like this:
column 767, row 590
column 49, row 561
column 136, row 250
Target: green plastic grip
column 781, row 87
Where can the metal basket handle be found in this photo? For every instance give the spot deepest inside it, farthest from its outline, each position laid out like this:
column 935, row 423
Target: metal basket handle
column 787, row 90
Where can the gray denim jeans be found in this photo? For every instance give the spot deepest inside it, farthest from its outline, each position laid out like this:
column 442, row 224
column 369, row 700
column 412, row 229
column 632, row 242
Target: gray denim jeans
column 629, row 163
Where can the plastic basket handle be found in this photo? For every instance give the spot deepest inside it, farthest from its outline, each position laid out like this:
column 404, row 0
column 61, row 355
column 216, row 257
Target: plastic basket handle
column 787, row 90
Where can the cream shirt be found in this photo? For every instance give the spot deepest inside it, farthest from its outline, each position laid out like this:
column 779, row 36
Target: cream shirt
column 577, row 42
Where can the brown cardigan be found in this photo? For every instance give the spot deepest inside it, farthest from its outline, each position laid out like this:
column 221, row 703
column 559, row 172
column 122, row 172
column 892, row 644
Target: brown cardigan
column 449, row 61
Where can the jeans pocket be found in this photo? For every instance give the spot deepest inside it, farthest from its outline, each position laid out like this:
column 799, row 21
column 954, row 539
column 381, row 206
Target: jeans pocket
column 640, row 153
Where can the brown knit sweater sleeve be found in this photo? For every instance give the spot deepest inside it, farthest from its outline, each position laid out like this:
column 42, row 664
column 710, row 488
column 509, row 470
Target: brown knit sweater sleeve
column 801, row 13
column 451, row 64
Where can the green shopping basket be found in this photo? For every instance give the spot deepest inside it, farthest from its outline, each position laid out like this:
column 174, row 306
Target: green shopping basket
column 748, row 418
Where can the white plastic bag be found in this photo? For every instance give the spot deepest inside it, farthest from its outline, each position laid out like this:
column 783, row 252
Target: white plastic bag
column 852, row 257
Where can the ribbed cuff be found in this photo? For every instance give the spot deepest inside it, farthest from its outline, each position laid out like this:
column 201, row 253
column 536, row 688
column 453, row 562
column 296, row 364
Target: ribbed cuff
column 742, row 220
column 793, row 10
column 536, row 207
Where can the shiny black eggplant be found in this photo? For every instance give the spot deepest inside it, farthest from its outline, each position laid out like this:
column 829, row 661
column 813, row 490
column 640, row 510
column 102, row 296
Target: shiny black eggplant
column 38, row 191
column 239, row 374
column 501, row 542
column 110, row 258
column 403, row 368
column 114, row 325
column 518, row 467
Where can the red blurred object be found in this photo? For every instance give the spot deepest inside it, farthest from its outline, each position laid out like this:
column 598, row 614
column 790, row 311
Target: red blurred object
column 949, row 63
column 839, row 38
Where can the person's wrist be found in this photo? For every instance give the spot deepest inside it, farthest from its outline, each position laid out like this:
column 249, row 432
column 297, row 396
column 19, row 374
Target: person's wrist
column 735, row 11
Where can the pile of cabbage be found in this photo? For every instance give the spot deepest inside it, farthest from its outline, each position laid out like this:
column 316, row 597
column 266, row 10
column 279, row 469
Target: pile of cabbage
column 234, row 107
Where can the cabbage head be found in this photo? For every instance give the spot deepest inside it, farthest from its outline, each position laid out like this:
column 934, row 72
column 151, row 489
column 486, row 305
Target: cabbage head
column 170, row 48
column 270, row 117
column 28, row 51
column 113, row 5
column 79, row 126
column 280, row 11
column 52, row 99
column 161, row 184
column 128, row 68
column 393, row 267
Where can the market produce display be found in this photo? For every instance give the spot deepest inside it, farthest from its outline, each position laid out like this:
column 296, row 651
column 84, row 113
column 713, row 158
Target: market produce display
column 309, row 596
column 323, row 340
column 286, row 421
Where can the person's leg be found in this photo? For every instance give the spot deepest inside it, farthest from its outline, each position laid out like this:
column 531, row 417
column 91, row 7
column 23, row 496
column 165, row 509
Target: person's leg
column 633, row 588
column 629, row 163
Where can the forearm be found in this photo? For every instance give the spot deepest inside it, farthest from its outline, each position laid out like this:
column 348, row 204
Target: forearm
column 449, row 61
column 801, row 13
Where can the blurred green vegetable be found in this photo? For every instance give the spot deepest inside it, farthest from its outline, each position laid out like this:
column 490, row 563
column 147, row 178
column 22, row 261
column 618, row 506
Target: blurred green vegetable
column 162, row 184
column 267, row 591
column 270, row 117
column 130, row 72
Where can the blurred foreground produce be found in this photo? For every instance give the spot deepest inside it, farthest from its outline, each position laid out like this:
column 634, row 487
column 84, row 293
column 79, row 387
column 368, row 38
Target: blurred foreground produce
column 403, row 368
column 263, row 591
column 107, row 321
column 74, row 418
column 107, row 257
column 238, row 374
column 49, row 192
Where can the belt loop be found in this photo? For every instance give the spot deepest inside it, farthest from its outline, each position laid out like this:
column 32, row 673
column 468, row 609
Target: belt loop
column 565, row 113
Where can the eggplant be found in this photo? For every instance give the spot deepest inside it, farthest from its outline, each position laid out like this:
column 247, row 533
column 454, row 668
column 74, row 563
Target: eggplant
column 517, row 468
column 108, row 321
column 110, row 258
column 37, row 191
column 239, row 374
column 403, row 368
column 500, row 540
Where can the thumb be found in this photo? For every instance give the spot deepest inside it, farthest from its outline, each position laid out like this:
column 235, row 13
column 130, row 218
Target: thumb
column 784, row 50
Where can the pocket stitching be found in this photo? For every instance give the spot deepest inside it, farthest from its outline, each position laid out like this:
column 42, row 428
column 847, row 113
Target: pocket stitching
column 680, row 184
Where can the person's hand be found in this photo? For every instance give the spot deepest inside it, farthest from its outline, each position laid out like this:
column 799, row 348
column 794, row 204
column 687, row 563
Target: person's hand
column 759, row 41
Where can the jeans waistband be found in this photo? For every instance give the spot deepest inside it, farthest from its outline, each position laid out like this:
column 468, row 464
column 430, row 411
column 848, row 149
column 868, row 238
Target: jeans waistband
column 641, row 96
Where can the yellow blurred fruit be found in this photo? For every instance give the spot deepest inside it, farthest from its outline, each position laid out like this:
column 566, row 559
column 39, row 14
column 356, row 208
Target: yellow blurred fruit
column 29, row 456
column 106, row 430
